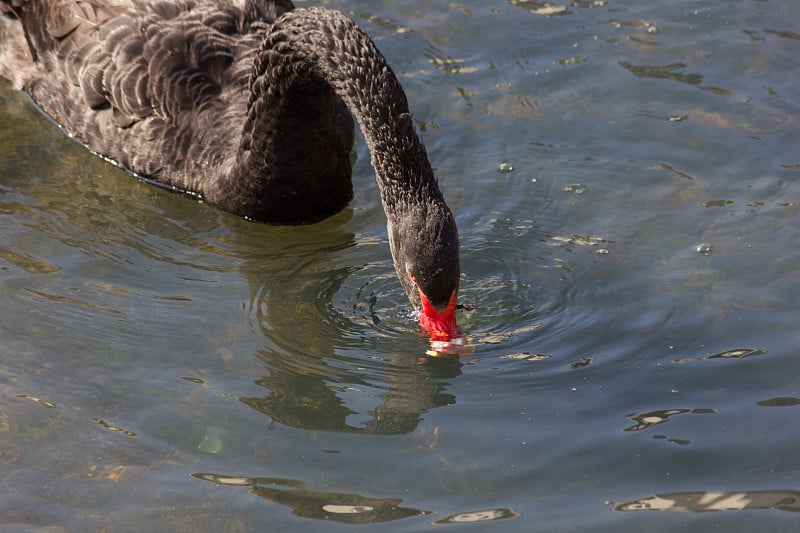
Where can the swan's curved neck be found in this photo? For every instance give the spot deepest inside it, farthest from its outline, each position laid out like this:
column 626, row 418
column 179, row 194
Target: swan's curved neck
column 310, row 57
column 311, row 51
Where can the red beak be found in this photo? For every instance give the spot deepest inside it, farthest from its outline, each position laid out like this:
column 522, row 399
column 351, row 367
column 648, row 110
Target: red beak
column 441, row 325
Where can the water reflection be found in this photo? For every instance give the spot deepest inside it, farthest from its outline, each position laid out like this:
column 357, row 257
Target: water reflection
column 738, row 353
column 735, row 354
column 335, row 506
column 317, row 400
column 317, row 374
column 783, row 401
column 702, row 501
column 539, row 8
column 648, row 419
column 666, row 72
column 478, row 516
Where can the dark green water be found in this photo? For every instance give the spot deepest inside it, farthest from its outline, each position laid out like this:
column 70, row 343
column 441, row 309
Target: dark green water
column 626, row 179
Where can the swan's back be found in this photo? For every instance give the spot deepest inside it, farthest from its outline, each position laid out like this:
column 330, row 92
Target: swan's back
column 162, row 88
column 144, row 67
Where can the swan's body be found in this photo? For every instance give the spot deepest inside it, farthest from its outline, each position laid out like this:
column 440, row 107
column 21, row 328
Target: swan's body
column 245, row 106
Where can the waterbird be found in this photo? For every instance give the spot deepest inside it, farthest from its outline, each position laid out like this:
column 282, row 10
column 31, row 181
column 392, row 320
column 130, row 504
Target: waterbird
column 247, row 105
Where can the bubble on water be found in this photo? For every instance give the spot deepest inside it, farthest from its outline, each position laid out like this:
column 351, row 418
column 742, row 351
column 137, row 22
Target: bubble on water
column 574, row 188
column 704, row 248
column 505, row 168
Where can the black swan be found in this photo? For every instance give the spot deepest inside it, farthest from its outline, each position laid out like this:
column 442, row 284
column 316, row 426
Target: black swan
column 246, row 106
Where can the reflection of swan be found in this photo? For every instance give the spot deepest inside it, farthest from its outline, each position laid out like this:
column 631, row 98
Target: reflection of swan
column 327, row 380
column 309, row 401
column 318, row 373
column 219, row 101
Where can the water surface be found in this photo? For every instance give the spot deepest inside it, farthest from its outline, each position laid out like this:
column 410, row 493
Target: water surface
column 625, row 176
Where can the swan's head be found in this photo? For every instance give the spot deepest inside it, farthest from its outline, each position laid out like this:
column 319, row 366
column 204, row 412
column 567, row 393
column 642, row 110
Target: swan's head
column 424, row 245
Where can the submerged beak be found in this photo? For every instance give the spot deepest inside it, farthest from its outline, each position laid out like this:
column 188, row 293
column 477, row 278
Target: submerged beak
column 440, row 324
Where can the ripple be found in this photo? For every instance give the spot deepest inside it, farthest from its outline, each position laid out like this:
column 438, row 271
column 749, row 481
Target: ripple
column 485, row 515
column 347, row 508
column 28, row 263
column 648, row 419
column 504, row 309
column 40, row 401
column 667, row 72
column 526, row 356
column 704, row 501
column 717, row 203
column 737, row 353
column 780, row 402
column 447, row 64
column 582, row 363
column 537, row 7
column 112, row 427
